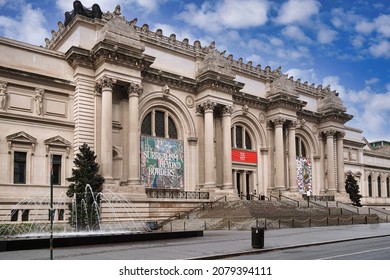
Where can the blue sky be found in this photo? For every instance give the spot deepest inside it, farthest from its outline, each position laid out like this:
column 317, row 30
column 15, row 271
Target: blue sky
column 343, row 43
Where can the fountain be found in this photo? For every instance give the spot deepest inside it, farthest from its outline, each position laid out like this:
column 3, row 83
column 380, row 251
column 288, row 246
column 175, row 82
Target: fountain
column 95, row 218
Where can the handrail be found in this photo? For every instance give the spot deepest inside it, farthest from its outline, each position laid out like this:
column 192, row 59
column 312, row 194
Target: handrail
column 380, row 211
column 272, row 196
column 289, row 198
column 355, row 208
column 320, row 205
column 186, row 213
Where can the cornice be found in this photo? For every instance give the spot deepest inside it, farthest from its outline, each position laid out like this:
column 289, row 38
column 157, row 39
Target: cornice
column 215, row 81
column 36, row 120
column 281, row 101
column 15, row 73
column 160, row 77
column 336, row 116
column 109, row 53
column 250, row 100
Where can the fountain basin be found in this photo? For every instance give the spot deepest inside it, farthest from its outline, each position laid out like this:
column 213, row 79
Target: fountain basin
column 31, row 243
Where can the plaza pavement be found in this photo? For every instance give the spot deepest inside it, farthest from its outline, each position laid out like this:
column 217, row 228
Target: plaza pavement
column 213, row 245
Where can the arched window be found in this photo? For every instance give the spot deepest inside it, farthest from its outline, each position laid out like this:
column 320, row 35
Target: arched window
column 160, row 124
column 388, row 186
column 241, row 138
column 379, row 187
column 300, row 147
column 369, row 179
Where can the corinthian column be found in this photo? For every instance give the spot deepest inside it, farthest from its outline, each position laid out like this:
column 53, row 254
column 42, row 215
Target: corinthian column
column 227, row 147
column 292, row 157
column 330, row 160
column 209, row 176
column 105, row 85
column 279, row 153
column 134, row 91
column 340, row 162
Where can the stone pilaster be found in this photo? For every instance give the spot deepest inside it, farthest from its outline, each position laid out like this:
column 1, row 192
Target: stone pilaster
column 105, row 86
column 134, row 91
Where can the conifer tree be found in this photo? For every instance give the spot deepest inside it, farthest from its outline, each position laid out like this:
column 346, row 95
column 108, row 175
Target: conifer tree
column 86, row 172
column 352, row 189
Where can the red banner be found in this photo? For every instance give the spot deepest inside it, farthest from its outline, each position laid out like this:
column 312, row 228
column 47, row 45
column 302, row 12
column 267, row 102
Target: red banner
column 244, row 156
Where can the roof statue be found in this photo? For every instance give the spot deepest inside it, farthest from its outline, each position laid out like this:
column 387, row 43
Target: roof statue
column 79, row 9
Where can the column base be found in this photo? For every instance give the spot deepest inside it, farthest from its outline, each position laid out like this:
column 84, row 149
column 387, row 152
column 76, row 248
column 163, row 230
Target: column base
column 228, row 186
column 210, row 185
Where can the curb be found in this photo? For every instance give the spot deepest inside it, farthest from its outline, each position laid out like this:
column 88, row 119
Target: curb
column 259, row 251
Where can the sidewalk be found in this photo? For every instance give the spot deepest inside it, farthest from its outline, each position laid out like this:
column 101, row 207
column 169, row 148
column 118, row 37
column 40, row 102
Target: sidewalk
column 214, row 244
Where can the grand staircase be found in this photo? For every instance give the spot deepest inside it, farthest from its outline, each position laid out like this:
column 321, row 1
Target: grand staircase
column 244, row 214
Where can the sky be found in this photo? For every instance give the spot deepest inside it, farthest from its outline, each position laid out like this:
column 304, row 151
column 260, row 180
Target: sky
column 341, row 43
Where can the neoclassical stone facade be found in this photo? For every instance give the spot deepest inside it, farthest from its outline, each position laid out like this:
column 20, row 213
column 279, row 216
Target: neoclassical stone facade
column 166, row 114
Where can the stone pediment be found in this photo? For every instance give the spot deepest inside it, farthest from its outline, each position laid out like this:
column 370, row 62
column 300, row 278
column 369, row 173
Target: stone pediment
column 57, row 141
column 21, row 137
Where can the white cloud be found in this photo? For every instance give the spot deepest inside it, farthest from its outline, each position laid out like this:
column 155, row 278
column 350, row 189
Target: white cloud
column 326, row 36
column 358, row 41
column 296, row 33
column 380, row 25
column 226, row 14
column 381, row 49
column 371, row 81
column 297, row 11
column 370, row 109
column 29, row 26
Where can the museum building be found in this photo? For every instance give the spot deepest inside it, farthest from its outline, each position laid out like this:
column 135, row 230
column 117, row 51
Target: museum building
column 170, row 120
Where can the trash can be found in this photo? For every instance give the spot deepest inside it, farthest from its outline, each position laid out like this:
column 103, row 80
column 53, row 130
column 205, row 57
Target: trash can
column 257, row 237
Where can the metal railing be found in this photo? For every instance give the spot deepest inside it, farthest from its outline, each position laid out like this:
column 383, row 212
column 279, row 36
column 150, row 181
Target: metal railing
column 202, row 206
column 175, row 194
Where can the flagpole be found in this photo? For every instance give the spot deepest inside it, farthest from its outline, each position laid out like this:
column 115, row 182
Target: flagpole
column 51, row 207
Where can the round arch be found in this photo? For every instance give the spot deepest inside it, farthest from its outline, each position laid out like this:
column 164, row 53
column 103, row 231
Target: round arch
column 255, row 128
column 309, row 139
column 177, row 109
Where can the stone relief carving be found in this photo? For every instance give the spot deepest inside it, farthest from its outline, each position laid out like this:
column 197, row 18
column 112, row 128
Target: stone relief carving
column 190, row 102
column 38, row 98
column 282, row 85
column 3, row 95
column 166, row 90
column 331, row 101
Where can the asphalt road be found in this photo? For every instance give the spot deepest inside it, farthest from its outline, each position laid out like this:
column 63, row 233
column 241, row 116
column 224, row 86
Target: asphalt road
column 364, row 249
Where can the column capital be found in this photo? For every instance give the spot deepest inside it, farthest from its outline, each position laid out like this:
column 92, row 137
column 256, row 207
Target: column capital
column 227, row 110
column 340, row 134
column 330, row 133
column 135, row 89
column 292, row 124
column 209, row 105
column 104, row 82
column 279, row 121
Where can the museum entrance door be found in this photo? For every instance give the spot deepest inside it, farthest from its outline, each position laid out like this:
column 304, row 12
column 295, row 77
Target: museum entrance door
column 243, row 183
